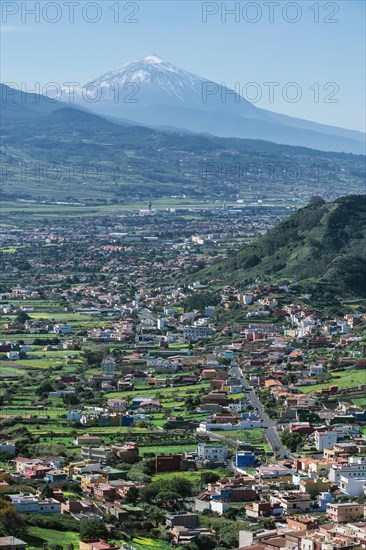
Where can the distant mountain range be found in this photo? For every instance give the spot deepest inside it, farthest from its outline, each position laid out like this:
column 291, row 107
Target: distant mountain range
column 112, row 160
column 321, row 247
column 153, row 92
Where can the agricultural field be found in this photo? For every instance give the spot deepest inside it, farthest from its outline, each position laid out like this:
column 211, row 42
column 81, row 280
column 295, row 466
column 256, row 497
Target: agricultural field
column 37, row 537
column 343, row 379
column 194, row 477
column 360, row 401
column 144, row 543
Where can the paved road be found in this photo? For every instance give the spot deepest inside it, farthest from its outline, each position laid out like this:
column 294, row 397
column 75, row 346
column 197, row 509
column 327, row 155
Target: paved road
column 268, row 424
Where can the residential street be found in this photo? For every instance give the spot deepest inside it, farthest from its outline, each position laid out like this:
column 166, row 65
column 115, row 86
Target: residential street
column 268, row 424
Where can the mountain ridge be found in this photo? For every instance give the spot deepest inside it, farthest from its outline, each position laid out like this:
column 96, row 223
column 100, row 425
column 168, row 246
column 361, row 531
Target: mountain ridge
column 322, row 245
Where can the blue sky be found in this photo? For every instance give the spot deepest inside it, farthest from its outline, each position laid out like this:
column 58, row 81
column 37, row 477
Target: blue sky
column 250, row 49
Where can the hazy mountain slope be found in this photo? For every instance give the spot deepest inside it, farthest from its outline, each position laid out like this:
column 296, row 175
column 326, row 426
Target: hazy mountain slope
column 321, row 243
column 156, row 93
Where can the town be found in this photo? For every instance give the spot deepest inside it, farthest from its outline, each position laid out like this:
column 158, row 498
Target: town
column 144, row 405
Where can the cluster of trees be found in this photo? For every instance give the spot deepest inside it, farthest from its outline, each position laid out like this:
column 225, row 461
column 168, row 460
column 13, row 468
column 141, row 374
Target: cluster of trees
column 269, row 402
column 292, row 440
column 170, row 493
column 11, row 523
column 25, row 440
column 141, row 471
column 191, row 402
column 226, row 529
column 201, row 300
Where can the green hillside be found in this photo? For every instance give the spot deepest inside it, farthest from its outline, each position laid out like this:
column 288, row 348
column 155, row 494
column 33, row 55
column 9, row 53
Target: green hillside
column 320, row 246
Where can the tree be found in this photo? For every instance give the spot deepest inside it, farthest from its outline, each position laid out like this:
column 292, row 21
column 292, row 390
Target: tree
column 71, row 399
column 316, row 200
column 167, row 498
column 232, row 513
column 292, row 440
column 155, row 514
column 208, row 477
column 266, row 523
column 44, row 388
column 11, row 522
column 205, row 542
column 141, row 471
column 90, row 529
column 170, row 491
column 132, row 495
column 22, row 317
column 229, row 534
column 181, row 486
column 47, row 492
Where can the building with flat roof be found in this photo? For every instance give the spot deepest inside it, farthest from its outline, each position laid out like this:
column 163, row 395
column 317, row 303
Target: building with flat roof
column 12, row 543
column 345, row 511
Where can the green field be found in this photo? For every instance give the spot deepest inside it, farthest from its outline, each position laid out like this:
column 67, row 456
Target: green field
column 360, row 401
column 143, row 543
column 37, row 537
column 35, row 212
column 163, row 392
column 167, row 449
column 343, row 379
column 191, row 476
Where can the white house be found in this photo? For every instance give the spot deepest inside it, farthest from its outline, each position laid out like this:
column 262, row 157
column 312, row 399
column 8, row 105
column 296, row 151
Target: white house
column 316, row 370
column 219, row 506
column 226, row 427
column 355, row 487
column 197, row 285
column 248, row 299
column 73, row 416
column 197, row 333
column 108, row 365
column 356, row 468
column 211, row 452
column 238, row 406
column 13, row 355
column 61, row 328
column 325, row 439
column 348, row 429
column 29, row 504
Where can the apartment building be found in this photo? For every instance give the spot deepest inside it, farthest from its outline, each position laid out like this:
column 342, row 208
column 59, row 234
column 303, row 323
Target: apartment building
column 354, row 468
column 345, row 511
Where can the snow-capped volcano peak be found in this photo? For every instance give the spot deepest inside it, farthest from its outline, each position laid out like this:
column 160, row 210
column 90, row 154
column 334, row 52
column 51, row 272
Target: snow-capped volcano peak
column 154, row 81
column 153, row 59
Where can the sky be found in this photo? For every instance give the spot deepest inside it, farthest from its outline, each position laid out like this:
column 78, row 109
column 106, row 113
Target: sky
column 313, row 50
